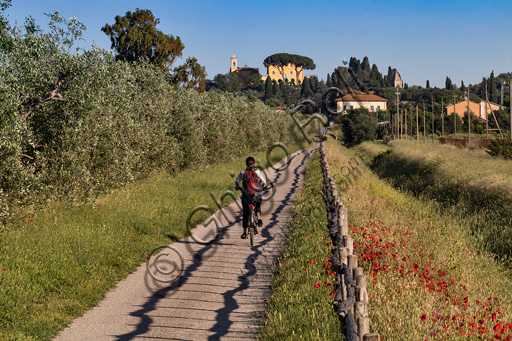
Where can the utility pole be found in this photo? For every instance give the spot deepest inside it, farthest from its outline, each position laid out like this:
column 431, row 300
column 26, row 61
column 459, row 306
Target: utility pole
column 502, row 91
column 424, row 125
column 454, row 120
column 442, row 116
column 405, row 119
column 417, row 126
column 432, row 119
column 486, row 116
column 397, row 93
column 411, row 124
column 401, row 124
column 469, row 122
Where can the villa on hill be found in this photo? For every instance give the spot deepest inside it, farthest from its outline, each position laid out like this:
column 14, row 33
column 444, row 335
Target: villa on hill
column 371, row 102
column 272, row 72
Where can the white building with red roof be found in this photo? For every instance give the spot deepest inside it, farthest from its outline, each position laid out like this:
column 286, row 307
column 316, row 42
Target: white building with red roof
column 371, row 102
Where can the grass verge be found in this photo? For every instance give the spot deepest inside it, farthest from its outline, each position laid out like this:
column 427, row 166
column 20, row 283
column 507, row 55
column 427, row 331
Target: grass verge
column 301, row 303
column 473, row 185
column 427, row 281
column 60, row 262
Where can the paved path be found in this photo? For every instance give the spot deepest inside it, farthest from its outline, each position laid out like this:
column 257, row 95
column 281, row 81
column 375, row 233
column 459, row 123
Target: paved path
column 221, row 288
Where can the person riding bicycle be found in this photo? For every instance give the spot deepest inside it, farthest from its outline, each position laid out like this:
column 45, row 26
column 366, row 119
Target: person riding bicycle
column 253, row 182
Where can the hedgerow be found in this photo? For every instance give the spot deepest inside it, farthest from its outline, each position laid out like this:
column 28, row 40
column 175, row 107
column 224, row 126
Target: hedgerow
column 76, row 124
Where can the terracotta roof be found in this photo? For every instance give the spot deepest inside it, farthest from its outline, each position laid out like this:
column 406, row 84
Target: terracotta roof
column 361, row 98
column 247, row 68
column 280, row 107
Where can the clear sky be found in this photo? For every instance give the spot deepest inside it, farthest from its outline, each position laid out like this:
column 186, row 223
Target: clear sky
column 423, row 39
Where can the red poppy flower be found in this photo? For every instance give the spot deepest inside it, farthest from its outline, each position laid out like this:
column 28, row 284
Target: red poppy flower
column 317, row 285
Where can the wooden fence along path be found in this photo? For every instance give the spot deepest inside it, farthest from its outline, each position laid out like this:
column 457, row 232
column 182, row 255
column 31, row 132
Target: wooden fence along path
column 351, row 298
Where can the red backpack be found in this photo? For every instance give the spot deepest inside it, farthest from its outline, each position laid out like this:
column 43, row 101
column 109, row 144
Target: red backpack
column 251, row 182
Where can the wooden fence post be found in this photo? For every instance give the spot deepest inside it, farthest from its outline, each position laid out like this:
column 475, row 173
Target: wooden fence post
column 371, row 337
column 363, row 327
column 348, row 242
column 352, row 264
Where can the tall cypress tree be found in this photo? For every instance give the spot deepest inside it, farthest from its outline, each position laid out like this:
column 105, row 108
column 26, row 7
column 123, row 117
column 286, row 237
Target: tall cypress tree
column 427, row 86
column 493, row 91
column 276, row 90
column 268, row 88
column 448, row 83
column 366, row 69
column 389, row 77
column 328, row 82
column 313, row 81
column 359, row 71
column 306, row 89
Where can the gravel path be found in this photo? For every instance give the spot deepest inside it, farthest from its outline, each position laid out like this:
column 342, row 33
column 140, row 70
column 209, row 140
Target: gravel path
column 219, row 291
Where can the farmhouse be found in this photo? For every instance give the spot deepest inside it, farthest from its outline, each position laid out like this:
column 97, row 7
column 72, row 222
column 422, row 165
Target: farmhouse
column 477, row 109
column 371, row 102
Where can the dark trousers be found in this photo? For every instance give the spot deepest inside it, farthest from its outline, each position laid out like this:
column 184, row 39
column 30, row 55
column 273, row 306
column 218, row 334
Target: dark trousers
column 246, row 201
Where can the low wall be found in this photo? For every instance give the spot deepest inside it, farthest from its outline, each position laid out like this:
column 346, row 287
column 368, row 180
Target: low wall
column 478, row 144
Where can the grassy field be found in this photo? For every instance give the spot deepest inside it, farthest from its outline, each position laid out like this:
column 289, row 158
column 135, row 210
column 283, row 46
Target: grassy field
column 301, row 303
column 60, row 261
column 470, row 183
column 427, row 278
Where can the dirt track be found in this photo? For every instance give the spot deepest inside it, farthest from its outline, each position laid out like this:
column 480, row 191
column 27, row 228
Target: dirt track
column 220, row 291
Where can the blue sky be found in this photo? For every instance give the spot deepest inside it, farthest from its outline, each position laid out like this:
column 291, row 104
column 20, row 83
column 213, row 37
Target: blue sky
column 425, row 39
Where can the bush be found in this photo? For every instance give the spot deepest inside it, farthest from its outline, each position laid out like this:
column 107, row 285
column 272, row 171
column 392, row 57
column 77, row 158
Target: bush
column 76, row 125
column 359, row 125
column 501, row 148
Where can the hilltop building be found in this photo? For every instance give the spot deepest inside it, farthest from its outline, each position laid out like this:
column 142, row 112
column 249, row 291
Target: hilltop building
column 477, row 109
column 289, row 73
column 273, row 72
column 371, row 102
column 244, row 72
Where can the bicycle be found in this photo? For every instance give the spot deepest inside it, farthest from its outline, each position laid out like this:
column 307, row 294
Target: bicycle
column 252, row 217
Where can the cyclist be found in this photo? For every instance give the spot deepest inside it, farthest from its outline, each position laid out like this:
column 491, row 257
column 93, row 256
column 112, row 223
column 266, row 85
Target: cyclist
column 253, row 182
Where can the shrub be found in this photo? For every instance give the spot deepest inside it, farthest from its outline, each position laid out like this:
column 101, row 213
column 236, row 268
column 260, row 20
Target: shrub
column 359, row 125
column 501, row 148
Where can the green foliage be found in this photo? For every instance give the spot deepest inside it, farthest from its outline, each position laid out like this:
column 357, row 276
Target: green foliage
column 269, row 92
column 190, row 75
column 76, row 125
column 230, row 82
column 468, row 183
column 359, row 125
column 298, row 309
column 448, row 83
column 134, row 36
column 61, row 261
column 501, row 148
column 306, row 91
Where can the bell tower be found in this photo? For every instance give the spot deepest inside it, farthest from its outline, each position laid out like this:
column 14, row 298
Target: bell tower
column 233, row 65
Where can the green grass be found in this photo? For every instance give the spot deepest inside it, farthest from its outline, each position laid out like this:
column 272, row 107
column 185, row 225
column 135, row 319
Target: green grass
column 296, row 309
column 470, row 183
column 61, row 260
column 399, row 237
